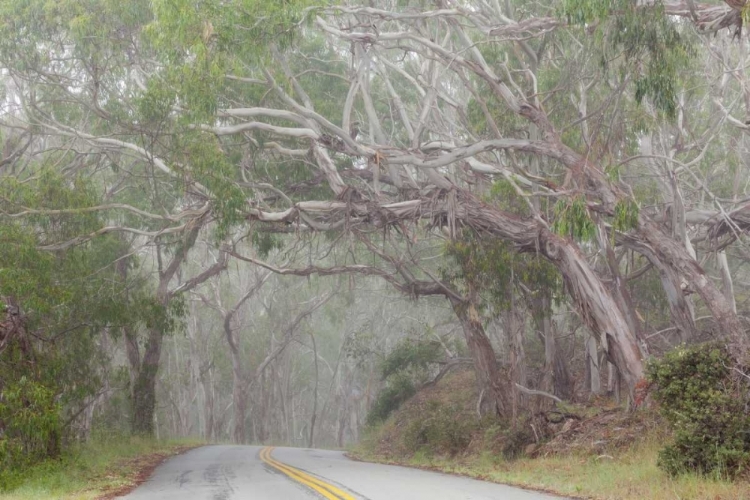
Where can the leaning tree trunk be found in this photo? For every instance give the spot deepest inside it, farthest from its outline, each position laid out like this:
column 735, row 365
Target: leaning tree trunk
column 596, row 306
column 666, row 253
column 493, row 391
column 594, row 302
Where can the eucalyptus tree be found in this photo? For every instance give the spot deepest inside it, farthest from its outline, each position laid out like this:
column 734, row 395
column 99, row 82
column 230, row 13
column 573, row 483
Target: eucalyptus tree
column 244, row 375
column 414, row 76
column 60, row 310
column 384, row 115
column 77, row 75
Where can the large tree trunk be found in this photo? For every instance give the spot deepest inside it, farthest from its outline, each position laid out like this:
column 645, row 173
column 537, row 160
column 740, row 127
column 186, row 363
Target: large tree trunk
column 494, row 391
column 597, row 307
column 144, row 388
column 620, row 291
column 594, row 302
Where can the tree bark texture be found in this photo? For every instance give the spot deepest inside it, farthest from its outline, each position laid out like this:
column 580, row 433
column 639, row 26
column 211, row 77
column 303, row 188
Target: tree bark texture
column 144, row 388
column 494, row 389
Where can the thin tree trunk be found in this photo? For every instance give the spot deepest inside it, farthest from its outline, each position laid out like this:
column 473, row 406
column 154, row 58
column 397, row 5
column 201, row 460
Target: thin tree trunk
column 592, row 362
column 208, row 405
column 514, row 327
column 239, row 396
column 726, row 279
column 311, row 441
column 563, row 383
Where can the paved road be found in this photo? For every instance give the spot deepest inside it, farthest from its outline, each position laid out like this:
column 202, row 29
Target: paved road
column 256, row 473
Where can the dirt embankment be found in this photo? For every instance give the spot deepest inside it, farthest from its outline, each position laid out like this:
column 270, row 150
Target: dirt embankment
column 442, row 421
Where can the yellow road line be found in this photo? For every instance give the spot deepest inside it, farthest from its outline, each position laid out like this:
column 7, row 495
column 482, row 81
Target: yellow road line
column 328, row 491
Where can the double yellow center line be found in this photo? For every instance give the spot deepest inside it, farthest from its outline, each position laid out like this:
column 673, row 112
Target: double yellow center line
column 326, row 490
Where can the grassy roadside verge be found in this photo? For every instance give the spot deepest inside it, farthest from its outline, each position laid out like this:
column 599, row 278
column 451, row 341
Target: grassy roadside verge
column 629, row 475
column 100, row 469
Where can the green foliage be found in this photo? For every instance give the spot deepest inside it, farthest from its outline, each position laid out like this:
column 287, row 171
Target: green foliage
column 30, row 427
column 510, row 441
column 493, row 267
column 265, row 243
column 410, row 356
column 67, row 299
column 645, row 37
column 444, row 429
column 626, row 215
column 399, row 389
column 405, row 366
column 205, row 162
column 88, row 470
column 572, row 219
column 706, row 408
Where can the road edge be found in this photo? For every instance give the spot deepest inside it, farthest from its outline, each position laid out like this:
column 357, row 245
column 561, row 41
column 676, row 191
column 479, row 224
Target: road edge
column 443, row 470
column 143, row 467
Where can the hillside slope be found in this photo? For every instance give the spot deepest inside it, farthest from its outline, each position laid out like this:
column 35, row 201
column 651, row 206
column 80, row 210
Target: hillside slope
column 592, row 451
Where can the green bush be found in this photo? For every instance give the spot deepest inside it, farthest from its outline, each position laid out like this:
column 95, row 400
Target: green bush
column 404, row 368
column 413, row 356
column 705, row 406
column 30, row 427
column 399, row 389
column 444, row 429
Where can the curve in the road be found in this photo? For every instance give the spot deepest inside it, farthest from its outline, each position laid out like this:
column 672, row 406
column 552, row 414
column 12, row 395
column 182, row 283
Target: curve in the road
column 327, row 490
column 228, row 472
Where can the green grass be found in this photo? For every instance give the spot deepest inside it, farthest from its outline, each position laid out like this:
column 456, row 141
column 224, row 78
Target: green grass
column 629, row 475
column 87, row 471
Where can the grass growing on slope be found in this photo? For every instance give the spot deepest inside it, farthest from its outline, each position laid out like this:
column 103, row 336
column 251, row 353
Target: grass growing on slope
column 629, row 475
column 98, row 469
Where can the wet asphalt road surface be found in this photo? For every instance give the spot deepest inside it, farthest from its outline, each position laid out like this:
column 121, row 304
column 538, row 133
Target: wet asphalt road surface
column 251, row 472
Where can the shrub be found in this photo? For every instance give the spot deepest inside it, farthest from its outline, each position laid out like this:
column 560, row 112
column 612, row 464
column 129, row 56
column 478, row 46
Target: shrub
column 399, row 389
column 406, row 364
column 413, row 356
column 30, row 427
column 508, row 441
column 705, row 406
column 445, row 429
